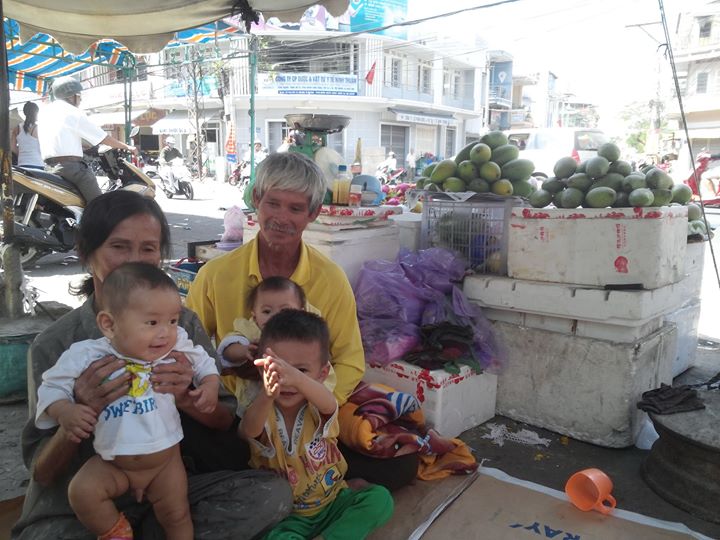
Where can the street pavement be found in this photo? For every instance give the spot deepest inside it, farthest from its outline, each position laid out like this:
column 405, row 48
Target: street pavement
column 190, row 221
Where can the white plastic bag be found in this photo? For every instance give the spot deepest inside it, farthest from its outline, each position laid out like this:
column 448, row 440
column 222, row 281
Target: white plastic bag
column 647, row 434
column 233, row 222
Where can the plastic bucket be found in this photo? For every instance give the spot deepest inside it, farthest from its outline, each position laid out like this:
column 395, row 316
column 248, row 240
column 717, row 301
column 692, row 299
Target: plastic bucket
column 13, row 365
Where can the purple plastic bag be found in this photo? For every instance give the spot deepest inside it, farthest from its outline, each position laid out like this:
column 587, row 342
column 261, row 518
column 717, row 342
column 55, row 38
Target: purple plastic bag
column 383, row 291
column 385, row 340
column 436, row 268
column 395, row 298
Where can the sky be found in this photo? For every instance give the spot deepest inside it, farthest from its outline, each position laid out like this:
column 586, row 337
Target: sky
column 590, row 45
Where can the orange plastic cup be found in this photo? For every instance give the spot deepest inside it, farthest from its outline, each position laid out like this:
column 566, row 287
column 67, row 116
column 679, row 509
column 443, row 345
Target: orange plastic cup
column 590, row 489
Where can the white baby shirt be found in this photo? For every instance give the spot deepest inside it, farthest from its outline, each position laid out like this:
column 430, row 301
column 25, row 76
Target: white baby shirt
column 140, row 422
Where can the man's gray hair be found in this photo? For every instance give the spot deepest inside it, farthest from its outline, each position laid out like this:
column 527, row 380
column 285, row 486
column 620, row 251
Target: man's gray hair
column 291, row 171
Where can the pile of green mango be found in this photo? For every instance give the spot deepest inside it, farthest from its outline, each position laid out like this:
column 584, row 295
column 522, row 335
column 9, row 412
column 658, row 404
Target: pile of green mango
column 489, row 164
column 607, row 181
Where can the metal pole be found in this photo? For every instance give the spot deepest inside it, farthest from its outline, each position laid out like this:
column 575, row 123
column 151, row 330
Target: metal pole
column 127, row 103
column 197, row 70
column 247, row 196
column 128, row 73
column 6, row 183
column 12, row 301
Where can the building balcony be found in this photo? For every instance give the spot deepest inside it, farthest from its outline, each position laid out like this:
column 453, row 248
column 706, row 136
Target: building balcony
column 696, row 103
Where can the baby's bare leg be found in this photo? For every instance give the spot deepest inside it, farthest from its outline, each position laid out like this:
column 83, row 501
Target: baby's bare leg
column 168, row 494
column 91, row 493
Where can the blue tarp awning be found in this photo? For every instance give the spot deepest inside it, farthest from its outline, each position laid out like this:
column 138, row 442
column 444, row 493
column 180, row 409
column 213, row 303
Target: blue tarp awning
column 32, row 64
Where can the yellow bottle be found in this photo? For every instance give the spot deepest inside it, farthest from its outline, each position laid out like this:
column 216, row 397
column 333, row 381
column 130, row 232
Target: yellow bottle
column 341, row 186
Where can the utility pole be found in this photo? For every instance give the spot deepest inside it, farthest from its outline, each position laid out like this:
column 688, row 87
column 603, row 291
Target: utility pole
column 12, row 296
column 128, row 71
column 247, row 196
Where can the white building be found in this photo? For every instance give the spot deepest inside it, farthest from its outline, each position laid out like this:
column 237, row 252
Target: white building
column 697, row 57
column 400, row 94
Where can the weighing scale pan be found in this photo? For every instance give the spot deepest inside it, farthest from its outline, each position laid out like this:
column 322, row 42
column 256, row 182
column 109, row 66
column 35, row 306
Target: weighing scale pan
column 325, row 123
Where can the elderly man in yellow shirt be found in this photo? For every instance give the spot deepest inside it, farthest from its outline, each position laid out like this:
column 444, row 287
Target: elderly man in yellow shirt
column 288, row 195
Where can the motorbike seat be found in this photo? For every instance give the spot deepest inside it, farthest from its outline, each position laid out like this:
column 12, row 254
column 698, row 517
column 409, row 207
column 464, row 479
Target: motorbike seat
column 50, row 177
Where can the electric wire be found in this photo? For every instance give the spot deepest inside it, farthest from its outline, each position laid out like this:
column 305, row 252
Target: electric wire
column 673, row 67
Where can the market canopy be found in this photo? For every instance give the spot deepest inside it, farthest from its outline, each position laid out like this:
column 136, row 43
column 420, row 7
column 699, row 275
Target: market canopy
column 143, row 26
column 32, row 63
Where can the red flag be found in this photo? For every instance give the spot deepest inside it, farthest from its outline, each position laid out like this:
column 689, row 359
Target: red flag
column 370, row 77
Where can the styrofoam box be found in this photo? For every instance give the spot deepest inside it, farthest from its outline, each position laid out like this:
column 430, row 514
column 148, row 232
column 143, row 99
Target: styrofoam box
column 581, row 387
column 599, row 246
column 623, row 316
column 349, row 248
column 686, row 318
column 408, row 229
column 451, row 403
column 694, row 266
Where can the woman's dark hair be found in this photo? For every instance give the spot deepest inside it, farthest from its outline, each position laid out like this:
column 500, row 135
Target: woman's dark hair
column 276, row 284
column 100, row 218
column 30, row 110
column 296, row 325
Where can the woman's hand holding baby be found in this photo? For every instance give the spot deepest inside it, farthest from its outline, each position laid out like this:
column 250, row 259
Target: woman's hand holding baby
column 173, row 378
column 94, row 388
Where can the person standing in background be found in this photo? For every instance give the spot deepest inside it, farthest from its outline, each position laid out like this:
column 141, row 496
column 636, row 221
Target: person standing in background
column 410, row 161
column 62, row 130
column 24, row 139
column 258, row 153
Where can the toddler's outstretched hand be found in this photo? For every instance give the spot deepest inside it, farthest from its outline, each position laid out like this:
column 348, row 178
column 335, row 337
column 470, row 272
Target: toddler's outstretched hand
column 270, row 374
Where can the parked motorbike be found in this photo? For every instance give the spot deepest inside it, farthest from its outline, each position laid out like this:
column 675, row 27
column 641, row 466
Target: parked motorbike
column 240, row 176
column 390, row 177
column 181, row 174
column 48, row 208
column 702, row 164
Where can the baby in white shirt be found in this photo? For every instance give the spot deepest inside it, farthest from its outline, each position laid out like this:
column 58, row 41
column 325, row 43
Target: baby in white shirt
column 137, row 436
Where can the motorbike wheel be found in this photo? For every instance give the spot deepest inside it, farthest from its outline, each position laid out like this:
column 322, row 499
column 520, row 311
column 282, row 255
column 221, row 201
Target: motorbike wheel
column 168, row 194
column 29, row 255
column 187, row 190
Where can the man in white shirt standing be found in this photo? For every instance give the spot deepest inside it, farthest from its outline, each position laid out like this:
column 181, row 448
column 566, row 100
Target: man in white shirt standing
column 62, row 128
column 410, row 161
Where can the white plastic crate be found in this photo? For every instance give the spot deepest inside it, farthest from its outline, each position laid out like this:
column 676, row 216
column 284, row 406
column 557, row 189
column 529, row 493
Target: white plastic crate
column 582, row 387
column 476, row 228
column 409, row 224
column 622, row 316
column 686, row 318
column 451, row 403
column 641, row 247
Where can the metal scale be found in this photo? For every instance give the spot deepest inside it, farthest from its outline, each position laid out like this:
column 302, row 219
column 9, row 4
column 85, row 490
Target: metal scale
column 311, row 130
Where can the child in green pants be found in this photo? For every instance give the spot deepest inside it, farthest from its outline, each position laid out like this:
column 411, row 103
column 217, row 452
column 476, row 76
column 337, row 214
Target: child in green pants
column 292, row 428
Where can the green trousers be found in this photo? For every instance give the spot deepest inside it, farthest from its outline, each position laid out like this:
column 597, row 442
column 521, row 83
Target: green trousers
column 351, row 516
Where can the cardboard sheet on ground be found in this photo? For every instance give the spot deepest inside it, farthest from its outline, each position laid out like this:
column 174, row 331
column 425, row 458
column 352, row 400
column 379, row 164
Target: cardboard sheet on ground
column 417, row 505
column 501, row 507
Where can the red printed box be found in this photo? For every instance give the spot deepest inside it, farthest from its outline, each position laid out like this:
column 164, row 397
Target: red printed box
column 451, row 403
column 643, row 247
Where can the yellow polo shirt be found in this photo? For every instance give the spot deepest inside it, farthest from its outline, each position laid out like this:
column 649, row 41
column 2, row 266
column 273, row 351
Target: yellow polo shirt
column 219, row 292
